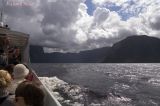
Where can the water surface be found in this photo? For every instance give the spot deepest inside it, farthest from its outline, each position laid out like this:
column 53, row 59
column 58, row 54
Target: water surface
column 110, row 84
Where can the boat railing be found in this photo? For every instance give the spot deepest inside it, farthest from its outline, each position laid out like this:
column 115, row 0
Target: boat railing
column 50, row 100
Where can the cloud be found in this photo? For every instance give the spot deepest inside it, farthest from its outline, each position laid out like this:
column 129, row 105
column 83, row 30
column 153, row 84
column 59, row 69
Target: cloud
column 145, row 13
column 154, row 22
column 100, row 15
column 65, row 25
column 151, row 17
column 104, row 2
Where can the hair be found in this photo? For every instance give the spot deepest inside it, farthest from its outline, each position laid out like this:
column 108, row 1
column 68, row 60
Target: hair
column 31, row 93
column 5, row 79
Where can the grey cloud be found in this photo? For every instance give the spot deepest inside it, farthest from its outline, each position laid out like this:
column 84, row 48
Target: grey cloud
column 123, row 33
column 17, row 9
column 65, row 26
column 54, row 28
column 57, row 21
column 155, row 22
column 61, row 12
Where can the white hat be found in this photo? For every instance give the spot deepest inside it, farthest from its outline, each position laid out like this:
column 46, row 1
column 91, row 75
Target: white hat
column 20, row 71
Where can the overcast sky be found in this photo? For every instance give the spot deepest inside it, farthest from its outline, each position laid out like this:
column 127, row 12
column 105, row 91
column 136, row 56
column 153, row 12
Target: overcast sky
column 75, row 25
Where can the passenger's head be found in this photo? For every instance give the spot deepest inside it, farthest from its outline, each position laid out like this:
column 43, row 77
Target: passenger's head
column 5, row 79
column 28, row 94
column 17, row 51
column 20, row 71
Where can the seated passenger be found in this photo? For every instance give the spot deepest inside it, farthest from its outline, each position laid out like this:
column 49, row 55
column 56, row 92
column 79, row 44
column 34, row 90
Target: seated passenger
column 20, row 72
column 28, row 94
column 9, row 68
column 4, row 43
column 3, row 58
column 5, row 80
column 14, row 56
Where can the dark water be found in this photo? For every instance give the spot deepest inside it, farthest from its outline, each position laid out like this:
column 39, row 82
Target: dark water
column 120, row 84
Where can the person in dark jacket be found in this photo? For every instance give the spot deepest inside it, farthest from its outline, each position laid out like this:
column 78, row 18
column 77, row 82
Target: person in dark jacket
column 3, row 58
column 4, row 44
column 5, row 80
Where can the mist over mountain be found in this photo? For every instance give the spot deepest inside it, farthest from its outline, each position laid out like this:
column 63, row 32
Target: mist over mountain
column 133, row 49
column 37, row 55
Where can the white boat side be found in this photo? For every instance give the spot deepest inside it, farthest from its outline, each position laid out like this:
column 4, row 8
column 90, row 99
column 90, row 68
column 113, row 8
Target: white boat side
column 50, row 100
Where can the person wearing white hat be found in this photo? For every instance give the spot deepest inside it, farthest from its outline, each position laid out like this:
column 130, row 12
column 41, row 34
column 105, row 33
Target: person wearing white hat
column 20, row 72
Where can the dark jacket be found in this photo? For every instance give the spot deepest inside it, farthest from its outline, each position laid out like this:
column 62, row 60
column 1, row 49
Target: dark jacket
column 6, row 101
column 3, row 60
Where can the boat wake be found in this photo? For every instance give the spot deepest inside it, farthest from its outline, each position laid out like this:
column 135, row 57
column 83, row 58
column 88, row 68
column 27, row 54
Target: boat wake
column 74, row 95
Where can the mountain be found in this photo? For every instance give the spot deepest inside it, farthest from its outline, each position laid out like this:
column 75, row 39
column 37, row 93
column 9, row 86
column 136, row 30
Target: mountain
column 37, row 55
column 135, row 49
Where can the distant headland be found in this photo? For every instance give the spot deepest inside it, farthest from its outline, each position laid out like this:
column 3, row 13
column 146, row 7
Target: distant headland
column 133, row 49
